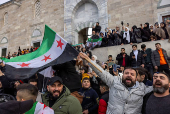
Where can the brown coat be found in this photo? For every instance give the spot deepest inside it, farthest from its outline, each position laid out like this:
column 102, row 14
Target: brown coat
column 161, row 33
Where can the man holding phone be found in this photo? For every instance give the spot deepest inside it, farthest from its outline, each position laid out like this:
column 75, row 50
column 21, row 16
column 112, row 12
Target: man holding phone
column 136, row 57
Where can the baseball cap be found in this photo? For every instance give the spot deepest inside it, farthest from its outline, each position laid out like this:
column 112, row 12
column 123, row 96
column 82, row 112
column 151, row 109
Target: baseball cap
column 52, row 80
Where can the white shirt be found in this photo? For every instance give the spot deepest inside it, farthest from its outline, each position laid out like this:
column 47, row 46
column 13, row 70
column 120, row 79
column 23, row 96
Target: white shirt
column 136, row 54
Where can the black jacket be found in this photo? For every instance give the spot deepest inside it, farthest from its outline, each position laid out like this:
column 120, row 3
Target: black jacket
column 117, row 38
column 70, row 77
column 95, row 37
column 104, row 42
column 140, row 59
column 148, row 57
column 110, row 40
column 105, row 96
column 145, row 33
column 95, row 84
column 98, row 29
column 119, row 58
column 7, row 86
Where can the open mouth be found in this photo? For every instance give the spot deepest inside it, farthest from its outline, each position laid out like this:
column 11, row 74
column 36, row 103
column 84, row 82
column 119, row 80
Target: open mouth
column 158, row 84
column 128, row 80
column 56, row 93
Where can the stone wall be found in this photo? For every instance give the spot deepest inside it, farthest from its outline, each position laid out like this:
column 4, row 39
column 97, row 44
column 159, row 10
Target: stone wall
column 134, row 12
column 22, row 22
column 102, row 53
column 60, row 15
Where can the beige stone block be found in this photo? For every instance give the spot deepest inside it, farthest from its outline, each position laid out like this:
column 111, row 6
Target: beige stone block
column 17, row 27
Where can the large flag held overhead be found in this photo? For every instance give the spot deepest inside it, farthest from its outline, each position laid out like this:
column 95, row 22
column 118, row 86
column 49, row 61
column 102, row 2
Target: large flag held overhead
column 53, row 50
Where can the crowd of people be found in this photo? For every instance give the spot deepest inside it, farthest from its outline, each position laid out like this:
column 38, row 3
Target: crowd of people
column 137, row 83
column 21, row 52
column 125, row 35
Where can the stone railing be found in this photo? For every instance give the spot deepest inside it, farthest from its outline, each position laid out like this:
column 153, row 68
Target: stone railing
column 102, row 53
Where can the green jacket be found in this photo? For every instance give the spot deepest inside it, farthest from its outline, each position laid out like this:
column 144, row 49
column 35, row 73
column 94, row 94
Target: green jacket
column 65, row 104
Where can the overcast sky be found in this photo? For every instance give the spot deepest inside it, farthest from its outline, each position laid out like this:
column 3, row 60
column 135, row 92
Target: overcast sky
column 3, row 1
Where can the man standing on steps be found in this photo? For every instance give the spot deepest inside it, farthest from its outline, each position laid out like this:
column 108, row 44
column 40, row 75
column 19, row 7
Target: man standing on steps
column 160, row 59
column 147, row 57
column 97, row 28
column 123, row 58
column 126, row 94
column 136, row 57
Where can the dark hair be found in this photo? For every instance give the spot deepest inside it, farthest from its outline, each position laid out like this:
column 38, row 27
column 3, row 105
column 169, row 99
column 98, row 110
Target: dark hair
column 158, row 43
column 86, row 79
column 164, row 24
column 105, row 86
column 143, row 46
column 134, row 45
column 97, row 22
column 30, row 88
column 85, row 68
column 32, row 80
column 131, row 69
column 122, row 48
column 143, row 71
column 90, row 54
column 156, row 24
column 82, row 49
column 110, row 56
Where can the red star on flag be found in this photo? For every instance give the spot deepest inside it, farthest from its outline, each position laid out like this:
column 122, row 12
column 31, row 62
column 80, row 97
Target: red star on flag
column 60, row 44
column 24, row 64
column 46, row 58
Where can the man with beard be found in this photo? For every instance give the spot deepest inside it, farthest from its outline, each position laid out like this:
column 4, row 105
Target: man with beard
column 59, row 99
column 158, row 101
column 159, row 59
column 94, row 36
column 123, row 58
column 126, row 94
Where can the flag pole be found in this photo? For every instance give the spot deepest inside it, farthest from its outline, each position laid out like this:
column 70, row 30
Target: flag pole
column 94, row 66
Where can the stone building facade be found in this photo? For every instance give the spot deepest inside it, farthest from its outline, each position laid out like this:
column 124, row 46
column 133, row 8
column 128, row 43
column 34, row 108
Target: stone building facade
column 22, row 21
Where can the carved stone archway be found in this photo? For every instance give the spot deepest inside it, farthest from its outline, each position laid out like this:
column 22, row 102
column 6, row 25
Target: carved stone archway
column 71, row 28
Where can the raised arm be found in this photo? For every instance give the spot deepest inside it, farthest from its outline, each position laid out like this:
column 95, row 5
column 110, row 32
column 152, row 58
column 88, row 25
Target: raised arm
column 104, row 75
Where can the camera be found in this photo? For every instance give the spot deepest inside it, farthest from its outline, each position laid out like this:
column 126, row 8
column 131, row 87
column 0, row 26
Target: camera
column 122, row 23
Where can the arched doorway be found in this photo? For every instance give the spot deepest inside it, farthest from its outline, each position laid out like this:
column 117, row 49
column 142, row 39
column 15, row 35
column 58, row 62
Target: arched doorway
column 80, row 14
column 87, row 12
column 83, row 35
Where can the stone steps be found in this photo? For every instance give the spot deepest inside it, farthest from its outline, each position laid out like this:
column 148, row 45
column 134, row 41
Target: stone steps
column 102, row 53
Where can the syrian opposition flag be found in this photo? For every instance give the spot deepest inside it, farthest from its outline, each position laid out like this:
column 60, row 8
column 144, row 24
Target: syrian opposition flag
column 53, row 50
column 40, row 108
column 94, row 42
